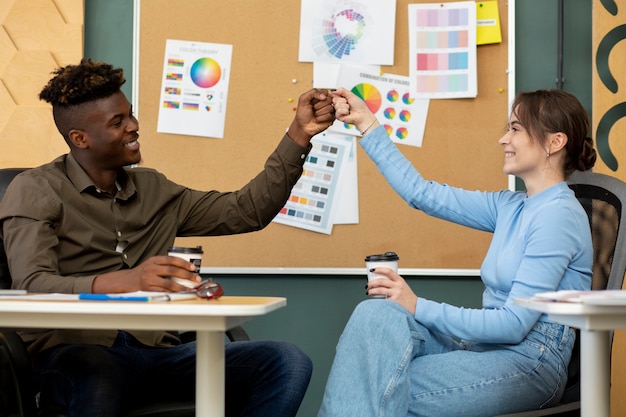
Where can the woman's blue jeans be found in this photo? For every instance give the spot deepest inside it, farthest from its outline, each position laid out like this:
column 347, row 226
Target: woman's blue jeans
column 389, row 365
column 263, row 378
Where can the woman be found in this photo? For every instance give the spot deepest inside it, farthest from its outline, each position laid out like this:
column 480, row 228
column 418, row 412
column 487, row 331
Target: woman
column 410, row 356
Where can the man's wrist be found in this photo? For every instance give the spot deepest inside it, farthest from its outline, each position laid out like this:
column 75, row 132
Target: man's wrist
column 298, row 135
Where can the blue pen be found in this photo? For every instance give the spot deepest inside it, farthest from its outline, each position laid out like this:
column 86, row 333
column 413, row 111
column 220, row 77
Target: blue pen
column 121, row 297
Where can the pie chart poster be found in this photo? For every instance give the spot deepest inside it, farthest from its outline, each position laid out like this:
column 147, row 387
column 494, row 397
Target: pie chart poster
column 389, row 97
column 194, row 88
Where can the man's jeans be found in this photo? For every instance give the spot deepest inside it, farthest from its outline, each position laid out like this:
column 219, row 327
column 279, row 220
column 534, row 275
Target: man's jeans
column 263, row 378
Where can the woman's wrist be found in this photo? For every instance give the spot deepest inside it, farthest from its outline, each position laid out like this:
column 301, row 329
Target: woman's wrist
column 369, row 127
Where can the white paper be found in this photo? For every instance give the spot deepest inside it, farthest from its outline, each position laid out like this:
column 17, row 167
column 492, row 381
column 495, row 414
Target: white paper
column 442, row 50
column 346, row 208
column 42, row 297
column 390, row 98
column 326, row 74
column 194, row 88
column 360, row 31
column 595, row 297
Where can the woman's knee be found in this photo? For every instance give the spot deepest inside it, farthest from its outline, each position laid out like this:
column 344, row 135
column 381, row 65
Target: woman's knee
column 373, row 312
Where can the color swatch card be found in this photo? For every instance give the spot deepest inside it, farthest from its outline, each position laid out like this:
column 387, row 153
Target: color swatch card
column 312, row 201
column 360, row 31
column 390, row 98
column 442, row 50
column 194, row 88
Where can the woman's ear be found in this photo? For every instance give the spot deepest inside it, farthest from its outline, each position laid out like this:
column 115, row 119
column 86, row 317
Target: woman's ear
column 557, row 142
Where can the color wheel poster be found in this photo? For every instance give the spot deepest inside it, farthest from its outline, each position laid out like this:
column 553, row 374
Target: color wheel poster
column 389, row 97
column 194, row 88
column 359, row 31
column 313, row 199
column 442, row 50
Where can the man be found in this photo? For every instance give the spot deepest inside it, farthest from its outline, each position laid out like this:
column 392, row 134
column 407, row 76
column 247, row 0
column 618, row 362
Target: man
column 87, row 223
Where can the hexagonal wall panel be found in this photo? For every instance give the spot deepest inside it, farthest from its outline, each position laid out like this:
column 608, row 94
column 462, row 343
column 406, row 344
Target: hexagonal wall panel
column 36, row 36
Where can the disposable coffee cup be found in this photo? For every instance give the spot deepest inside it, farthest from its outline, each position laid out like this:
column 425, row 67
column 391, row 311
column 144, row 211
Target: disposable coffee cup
column 387, row 260
column 193, row 255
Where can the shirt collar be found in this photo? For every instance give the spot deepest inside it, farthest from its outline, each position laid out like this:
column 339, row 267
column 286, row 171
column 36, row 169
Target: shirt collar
column 82, row 182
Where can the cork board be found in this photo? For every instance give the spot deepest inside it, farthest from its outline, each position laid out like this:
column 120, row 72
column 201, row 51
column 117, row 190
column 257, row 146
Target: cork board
column 460, row 143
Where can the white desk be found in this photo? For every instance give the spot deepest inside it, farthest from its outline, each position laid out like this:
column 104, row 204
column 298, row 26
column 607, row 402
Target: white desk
column 210, row 319
column 595, row 322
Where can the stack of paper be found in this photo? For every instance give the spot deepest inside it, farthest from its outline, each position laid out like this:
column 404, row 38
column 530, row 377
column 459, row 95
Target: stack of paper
column 599, row 297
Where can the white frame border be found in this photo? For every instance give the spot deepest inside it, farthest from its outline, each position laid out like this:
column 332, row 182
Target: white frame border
column 451, row 272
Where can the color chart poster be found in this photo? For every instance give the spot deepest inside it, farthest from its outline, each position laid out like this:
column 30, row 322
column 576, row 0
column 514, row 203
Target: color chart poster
column 390, row 98
column 194, row 88
column 360, row 31
column 313, row 199
column 442, row 50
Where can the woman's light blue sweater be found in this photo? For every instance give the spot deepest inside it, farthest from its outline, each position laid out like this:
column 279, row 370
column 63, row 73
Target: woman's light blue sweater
column 540, row 243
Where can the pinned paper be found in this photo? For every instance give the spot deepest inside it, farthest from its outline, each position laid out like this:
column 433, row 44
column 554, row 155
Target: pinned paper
column 487, row 23
column 442, row 50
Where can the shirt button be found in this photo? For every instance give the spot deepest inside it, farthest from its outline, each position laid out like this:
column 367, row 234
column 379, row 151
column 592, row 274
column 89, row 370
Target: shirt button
column 119, row 234
column 125, row 256
column 303, row 156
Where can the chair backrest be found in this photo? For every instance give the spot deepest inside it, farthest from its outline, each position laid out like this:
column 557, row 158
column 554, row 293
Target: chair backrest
column 604, row 199
column 6, row 176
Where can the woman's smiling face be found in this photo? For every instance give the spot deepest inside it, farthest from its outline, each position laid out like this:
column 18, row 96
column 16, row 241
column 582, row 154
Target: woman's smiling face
column 524, row 156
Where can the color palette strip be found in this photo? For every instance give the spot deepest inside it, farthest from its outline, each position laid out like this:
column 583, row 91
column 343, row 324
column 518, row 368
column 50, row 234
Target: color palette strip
column 443, row 17
column 438, row 83
column 174, row 76
column 175, row 62
column 190, row 106
column 167, row 104
column 442, row 39
column 442, row 61
column 172, row 91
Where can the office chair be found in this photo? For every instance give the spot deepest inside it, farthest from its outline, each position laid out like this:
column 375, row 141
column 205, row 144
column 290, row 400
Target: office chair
column 17, row 382
column 604, row 199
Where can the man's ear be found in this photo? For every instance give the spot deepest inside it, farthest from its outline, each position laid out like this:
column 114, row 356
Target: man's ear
column 78, row 138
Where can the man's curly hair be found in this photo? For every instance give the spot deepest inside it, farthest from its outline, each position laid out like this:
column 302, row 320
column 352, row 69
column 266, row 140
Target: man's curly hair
column 77, row 84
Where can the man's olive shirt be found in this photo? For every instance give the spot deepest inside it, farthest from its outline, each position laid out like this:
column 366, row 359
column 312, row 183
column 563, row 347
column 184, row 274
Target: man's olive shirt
column 60, row 232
